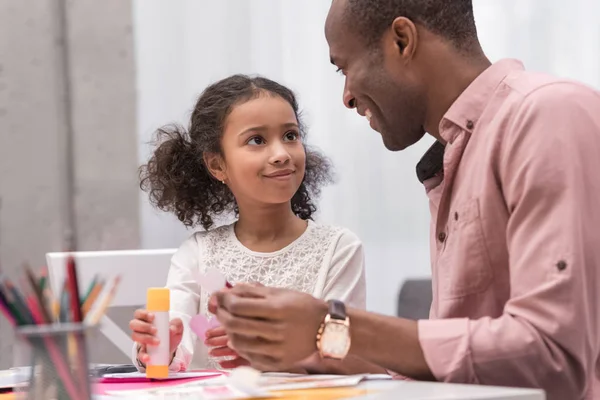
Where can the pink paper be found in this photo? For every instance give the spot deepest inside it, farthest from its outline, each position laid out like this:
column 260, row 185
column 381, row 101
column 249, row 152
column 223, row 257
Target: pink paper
column 199, row 324
column 212, row 280
column 103, row 387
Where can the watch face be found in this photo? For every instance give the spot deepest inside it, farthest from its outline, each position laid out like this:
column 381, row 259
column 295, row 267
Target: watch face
column 335, row 340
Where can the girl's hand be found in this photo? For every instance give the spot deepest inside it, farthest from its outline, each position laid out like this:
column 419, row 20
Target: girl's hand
column 217, row 339
column 144, row 334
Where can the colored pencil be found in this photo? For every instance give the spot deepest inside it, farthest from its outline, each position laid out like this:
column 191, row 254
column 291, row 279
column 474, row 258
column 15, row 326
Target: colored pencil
column 75, row 300
column 5, row 309
column 91, row 298
column 73, row 289
column 43, row 278
column 39, row 297
column 90, row 289
column 98, row 312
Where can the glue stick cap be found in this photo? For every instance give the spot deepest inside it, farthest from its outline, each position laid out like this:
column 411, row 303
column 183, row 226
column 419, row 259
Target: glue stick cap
column 158, row 299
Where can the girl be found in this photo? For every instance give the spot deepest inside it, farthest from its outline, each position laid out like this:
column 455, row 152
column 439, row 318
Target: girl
column 243, row 154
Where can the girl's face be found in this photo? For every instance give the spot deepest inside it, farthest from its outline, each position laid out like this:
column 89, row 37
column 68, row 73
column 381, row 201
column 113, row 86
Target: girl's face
column 264, row 159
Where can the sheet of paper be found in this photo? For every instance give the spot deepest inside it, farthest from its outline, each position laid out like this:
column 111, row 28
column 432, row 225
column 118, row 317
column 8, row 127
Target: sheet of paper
column 15, row 377
column 199, row 324
column 144, row 384
column 133, row 376
column 269, row 386
column 277, row 384
column 185, row 391
column 282, row 382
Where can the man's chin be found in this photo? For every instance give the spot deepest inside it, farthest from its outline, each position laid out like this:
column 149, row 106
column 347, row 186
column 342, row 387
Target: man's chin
column 394, row 144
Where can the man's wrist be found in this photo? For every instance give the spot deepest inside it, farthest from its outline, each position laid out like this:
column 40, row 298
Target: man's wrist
column 390, row 342
column 323, row 310
column 333, row 337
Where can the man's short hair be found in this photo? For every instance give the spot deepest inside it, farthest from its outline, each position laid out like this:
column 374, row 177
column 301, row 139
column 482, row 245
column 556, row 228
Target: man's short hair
column 451, row 19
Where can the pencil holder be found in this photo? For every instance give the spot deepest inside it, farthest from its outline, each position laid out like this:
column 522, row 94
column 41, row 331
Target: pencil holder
column 58, row 357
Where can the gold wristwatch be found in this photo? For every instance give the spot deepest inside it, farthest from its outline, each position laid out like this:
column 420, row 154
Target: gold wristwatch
column 333, row 337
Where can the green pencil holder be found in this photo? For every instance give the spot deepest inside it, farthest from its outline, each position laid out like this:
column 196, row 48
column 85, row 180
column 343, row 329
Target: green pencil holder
column 57, row 355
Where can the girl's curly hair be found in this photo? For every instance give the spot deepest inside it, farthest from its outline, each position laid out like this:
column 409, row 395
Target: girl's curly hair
column 176, row 177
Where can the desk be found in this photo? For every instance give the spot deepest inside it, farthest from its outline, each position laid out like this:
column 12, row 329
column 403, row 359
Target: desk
column 410, row 390
column 407, row 390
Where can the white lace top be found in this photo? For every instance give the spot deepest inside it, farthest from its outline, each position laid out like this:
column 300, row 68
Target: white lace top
column 326, row 261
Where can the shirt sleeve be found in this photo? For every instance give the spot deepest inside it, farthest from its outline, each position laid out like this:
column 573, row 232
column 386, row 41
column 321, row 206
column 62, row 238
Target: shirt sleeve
column 346, row 276
column 547, row 335
column 185, row 300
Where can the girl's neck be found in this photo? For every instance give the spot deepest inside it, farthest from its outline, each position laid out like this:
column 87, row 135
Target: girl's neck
column 268, row 228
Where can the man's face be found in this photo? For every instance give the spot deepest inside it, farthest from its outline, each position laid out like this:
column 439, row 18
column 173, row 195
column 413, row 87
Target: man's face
column 381, row 82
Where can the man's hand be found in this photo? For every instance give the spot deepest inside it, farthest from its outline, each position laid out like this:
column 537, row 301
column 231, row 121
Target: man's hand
column 272, row 328
column 212, row 302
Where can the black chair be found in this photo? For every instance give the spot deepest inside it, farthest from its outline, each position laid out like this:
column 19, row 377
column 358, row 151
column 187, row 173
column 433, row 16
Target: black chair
column 414, row 300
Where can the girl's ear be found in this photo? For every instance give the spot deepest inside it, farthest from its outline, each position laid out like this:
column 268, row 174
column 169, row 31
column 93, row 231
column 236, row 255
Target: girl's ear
column 216, row 166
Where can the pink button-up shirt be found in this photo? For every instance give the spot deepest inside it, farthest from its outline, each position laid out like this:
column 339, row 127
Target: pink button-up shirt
column 515, row 236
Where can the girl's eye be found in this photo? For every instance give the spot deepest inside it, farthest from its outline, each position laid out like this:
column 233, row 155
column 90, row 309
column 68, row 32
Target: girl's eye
column 291, row 136
column 256, row 141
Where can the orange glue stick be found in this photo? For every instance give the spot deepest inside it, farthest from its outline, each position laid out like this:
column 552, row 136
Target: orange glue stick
column 158, row 303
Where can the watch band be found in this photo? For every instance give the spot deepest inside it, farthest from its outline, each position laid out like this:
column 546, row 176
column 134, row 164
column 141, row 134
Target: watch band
column 337, row 309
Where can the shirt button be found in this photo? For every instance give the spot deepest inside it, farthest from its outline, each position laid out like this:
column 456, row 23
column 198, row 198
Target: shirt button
column 561, row 265
column 470, row 125
column 442, row 237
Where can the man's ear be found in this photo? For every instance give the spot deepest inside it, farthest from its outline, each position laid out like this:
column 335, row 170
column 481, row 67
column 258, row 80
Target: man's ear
column 405, row 35
column 215, row 165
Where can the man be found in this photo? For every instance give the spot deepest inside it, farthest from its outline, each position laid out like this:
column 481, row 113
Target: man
column 515, row 233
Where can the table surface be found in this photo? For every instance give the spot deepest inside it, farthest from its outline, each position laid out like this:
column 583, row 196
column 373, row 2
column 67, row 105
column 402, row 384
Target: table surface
column 406, row 390
column 411, row 390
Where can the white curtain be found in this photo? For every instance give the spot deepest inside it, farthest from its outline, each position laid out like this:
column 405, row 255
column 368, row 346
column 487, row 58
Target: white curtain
column 183, row 45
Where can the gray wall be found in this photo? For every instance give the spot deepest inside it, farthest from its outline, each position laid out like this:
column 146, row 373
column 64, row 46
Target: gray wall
column 67, row 134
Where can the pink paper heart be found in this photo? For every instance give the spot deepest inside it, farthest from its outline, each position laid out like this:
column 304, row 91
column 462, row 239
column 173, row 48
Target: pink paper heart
column 199, row 324
column 212, row 280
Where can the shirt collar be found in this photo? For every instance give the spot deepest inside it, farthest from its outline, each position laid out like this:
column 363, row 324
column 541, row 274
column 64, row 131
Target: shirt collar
column 467, row 109
column 464, row 113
